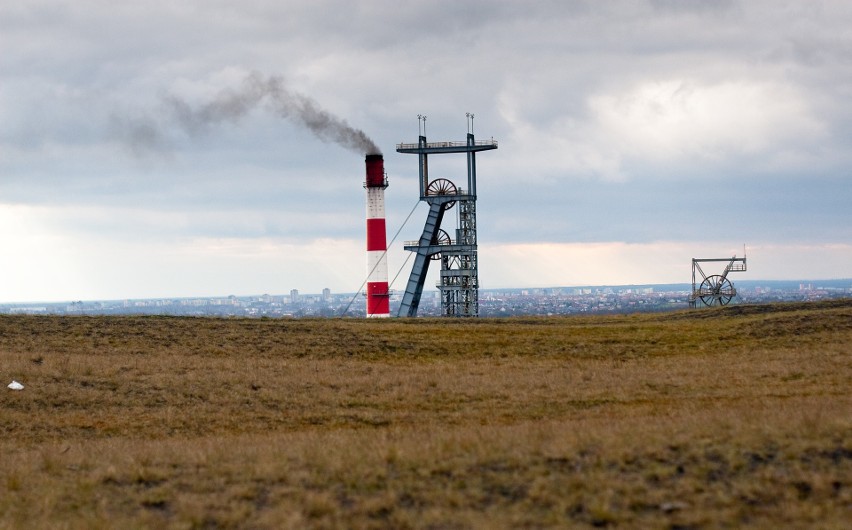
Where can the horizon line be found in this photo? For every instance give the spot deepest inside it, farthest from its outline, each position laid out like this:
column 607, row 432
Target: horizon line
column 352, row 293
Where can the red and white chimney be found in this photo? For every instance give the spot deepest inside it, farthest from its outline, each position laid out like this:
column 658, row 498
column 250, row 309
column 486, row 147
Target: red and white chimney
column 378, row 297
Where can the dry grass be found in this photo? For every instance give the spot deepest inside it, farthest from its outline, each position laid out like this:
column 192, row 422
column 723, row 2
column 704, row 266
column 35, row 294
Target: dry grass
column 702, row 419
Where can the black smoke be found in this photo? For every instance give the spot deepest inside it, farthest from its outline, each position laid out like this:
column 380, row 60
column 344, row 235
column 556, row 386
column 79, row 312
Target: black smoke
column 232, row 105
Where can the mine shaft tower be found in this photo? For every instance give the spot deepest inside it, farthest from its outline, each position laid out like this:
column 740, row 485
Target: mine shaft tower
column 716, row 289
column 459, row 277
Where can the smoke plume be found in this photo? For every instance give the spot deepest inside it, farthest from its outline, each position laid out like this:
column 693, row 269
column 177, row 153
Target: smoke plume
column 232, row 105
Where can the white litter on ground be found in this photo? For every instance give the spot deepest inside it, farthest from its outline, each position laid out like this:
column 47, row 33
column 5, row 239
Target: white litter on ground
column 14, row 385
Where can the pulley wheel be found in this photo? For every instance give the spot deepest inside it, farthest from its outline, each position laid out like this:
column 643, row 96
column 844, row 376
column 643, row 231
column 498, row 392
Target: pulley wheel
column 439, row 187
column 716, row 290
column 441, row 238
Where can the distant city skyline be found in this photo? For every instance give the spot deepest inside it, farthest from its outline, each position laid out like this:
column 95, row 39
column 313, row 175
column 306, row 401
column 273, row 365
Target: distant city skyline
column 492, row 302
column 151, row 151
column 354, row 299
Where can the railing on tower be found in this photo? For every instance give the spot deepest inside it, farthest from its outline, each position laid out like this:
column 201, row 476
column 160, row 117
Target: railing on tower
column 447, row 144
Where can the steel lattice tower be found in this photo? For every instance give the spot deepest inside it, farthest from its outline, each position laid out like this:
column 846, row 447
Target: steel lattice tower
column 459, row 277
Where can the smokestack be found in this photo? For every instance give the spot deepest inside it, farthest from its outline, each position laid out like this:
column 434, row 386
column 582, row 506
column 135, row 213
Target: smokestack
column 378, row 297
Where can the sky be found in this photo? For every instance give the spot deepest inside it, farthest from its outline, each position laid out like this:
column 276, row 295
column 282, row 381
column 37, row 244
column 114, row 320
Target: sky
column 179, row 149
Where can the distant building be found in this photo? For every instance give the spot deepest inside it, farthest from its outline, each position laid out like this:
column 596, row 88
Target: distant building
column 326, row 295
column 294, row 296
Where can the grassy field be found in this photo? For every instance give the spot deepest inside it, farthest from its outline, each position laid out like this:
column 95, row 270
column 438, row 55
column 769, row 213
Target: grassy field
column 737, row 417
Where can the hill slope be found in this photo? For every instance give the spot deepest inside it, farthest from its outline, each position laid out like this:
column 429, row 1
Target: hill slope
column 738, row 416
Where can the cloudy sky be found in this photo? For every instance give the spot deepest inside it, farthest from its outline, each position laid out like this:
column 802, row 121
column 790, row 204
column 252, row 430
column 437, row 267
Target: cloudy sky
column 139, row 158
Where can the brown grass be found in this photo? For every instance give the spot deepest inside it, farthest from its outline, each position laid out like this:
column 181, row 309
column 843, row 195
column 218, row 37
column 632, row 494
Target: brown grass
column 701, row 419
